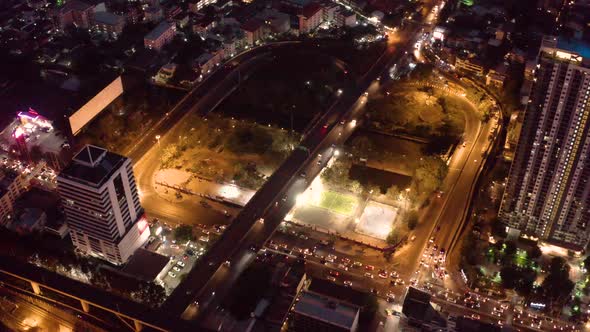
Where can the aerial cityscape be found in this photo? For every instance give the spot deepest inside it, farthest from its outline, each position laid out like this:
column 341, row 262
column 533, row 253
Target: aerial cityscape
column 294, row 165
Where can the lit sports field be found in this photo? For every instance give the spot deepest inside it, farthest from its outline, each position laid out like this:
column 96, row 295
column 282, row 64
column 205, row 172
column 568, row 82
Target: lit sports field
column 338, row 203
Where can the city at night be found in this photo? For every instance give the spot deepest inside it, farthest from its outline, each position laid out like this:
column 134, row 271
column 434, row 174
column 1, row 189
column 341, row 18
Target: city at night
column 294, row 165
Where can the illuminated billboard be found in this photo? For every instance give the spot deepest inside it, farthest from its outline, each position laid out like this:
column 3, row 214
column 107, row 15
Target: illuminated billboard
column 95, row 105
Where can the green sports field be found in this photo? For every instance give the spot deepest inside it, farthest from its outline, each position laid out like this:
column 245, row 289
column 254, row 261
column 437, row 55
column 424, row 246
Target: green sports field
column 338, row 203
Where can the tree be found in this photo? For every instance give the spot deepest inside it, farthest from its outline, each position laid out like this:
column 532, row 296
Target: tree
column 370, row 306
column 362, row 146
column 535, row 252
column 183, row 233
column 422, row 71
column 412, row 219
column 393, row 237
column 557, row 286
column 498, row 228
column 587, row 262
column 393, row 192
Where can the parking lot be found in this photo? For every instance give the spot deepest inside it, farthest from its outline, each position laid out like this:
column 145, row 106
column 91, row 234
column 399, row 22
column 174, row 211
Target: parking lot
column 182, row 255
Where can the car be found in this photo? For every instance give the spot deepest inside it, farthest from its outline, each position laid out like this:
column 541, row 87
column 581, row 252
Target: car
column 347, row 283
column 357, row 264
column 345, row 260
column 323, row 261
column 374, row 291
column 390, row 297
column 413, row 238
column 174, row 246
column 475, row 316
column 464, row 144
column 204, row 238
column 176, row 268
column 343, row 267
column 181, row 264
column 190, row 252
column 303, row 237
column 185, row 257
column 383, row 274
column 172, row 274
column 394, row 274
column 369, row 267
column 332, row 279
column 369, row 275
column 254, row 248
column 334, row 273
column 331, row 258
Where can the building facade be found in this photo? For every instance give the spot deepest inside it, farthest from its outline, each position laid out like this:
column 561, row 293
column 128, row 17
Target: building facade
column 12, row 185
column 160, row 36
column 101, row 203
column 548, row 195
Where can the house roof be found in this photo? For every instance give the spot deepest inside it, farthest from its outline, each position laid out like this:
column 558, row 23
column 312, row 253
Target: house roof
column 326, row 309
column 339, row 292
column 252, row 25
column 311, row 9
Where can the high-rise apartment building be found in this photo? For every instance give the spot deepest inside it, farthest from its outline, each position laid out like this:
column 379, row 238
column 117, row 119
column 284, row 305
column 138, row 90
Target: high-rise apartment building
column 548, row 191
column 101, row 204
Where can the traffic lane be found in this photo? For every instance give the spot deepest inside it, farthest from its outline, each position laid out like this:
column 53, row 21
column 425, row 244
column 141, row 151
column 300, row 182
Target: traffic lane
column 268, row 191
column 450, row 219
column 259, row 235
column 220, row 285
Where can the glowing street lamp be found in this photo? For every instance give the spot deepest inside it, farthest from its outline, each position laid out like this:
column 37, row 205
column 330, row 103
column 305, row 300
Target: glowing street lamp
column 158, row 139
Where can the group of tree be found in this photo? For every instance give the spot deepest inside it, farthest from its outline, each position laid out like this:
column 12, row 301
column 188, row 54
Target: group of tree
column 183, row 233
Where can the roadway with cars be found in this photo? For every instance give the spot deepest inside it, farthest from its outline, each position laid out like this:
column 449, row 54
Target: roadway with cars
column 209, row 281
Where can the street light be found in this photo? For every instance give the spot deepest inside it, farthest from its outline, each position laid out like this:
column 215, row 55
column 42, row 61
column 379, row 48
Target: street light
column 158, row 139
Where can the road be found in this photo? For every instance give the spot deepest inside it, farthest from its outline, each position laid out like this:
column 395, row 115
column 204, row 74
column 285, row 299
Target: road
column 208, row 282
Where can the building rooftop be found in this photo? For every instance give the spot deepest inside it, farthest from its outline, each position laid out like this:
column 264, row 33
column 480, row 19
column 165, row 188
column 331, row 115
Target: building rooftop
column 145, row 264
column 108, row 18
column 158, row 31
column 328, row 288
column 326, row 309
column 92, row 166
column 311, row 9
column 76, row 5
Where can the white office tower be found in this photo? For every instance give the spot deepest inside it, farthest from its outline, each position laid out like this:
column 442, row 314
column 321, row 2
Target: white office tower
column 101, row 204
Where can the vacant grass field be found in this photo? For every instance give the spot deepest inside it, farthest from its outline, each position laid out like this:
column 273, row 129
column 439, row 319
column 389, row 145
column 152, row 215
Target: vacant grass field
column 338, row 203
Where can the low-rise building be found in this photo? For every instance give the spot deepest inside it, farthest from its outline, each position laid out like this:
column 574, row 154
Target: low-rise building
column 109, row 22
column 254, row 30
column 206, row 62
column 317, row 312
column 75, row 12
column 468, row 65
column 196, row 5
column 310, row 18
column 12, row 185
column 153, row 14
column 496, row 77
column 160, row 36
column 166, row 72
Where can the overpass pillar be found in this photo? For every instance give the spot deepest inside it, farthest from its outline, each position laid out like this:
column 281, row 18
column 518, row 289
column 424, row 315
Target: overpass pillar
column 36, row 288
column 85, row 306
column 138, row 325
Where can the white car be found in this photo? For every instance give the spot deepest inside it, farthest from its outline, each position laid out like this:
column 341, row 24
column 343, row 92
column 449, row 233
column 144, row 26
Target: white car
column 172, row 274
column 181, row 264
column 176, row 268
column 347, row 283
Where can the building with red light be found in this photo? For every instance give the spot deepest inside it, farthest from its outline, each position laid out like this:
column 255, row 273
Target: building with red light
column 101, row 203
